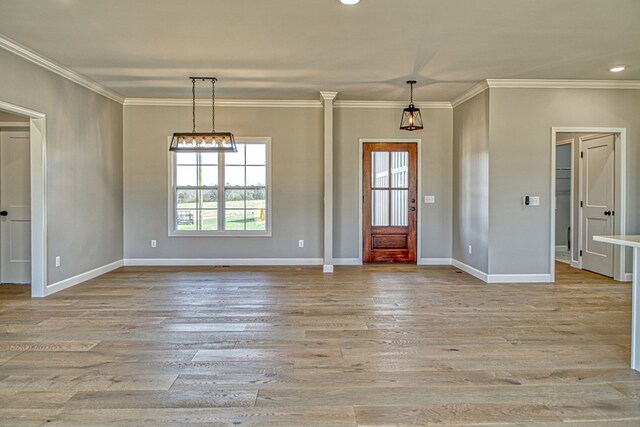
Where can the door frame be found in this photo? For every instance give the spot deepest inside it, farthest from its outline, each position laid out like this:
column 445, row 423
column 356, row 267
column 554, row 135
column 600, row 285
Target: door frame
column 38, row 164
column 418, row 143
column 620, row 178
column 571, row 143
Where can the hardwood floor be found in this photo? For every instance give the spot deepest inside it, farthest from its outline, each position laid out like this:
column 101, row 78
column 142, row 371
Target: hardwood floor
column 368, row 346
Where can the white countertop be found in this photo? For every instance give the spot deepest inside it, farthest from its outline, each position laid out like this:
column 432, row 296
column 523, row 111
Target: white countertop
column 632, row 241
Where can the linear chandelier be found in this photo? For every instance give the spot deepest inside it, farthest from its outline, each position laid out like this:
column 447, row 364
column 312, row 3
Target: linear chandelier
column 213, row 141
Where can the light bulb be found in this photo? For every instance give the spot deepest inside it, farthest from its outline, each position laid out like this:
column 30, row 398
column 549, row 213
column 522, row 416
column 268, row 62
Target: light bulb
column 617, row 68
column 350, row 2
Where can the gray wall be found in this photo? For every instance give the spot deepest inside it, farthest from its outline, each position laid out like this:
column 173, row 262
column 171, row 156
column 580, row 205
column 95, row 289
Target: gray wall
column 471, row 181
column 8, row 117
column 352, row 124
column 520, row 134
column 297, row 181
column 563, row 193
column 84, row 165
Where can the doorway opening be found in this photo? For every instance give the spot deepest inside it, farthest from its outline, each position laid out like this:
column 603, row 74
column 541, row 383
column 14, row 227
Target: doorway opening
column 23, row 197
column 389, row 201
column 564, row 192
column 588, row 188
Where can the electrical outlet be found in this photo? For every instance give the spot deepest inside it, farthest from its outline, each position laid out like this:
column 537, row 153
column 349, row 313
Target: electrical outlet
column 58, row 261
column 470, row 249
column 154, row 244
column 301, row 243
column 429, row 199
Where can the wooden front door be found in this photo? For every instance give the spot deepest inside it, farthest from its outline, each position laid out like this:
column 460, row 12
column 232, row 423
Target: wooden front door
column 389, row 202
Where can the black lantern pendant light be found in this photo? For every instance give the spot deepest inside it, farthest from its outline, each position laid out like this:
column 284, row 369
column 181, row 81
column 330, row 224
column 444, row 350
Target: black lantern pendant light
column 202, row 141
column 411, row 117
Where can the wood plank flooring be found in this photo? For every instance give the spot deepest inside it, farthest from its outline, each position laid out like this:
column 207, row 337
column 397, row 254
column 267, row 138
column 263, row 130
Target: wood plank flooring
column 288, row 346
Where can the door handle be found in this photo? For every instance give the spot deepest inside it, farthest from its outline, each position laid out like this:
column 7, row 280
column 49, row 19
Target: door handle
column 4, row 213
column 607, row 213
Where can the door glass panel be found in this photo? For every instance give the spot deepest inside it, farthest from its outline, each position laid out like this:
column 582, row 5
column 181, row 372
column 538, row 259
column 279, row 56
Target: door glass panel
column 379, row 169
column 399, row 169
column 399, row 206
column 380, row 208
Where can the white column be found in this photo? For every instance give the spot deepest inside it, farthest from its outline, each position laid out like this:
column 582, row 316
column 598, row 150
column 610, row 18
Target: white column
column 635, row 317
column 327, row 101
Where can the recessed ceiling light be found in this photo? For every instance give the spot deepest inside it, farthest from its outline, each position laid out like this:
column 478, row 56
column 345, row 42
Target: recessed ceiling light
column 350, row 2
column 617, row 68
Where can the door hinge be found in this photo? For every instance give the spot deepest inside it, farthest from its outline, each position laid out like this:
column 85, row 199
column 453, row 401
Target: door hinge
column 582, row 154
column 581, row 253
column 581, row 205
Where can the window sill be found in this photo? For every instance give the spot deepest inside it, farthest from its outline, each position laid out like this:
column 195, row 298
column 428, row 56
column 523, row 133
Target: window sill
column 218, row 234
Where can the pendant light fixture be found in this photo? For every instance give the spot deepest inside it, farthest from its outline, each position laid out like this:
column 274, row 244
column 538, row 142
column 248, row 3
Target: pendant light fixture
column 213, row 141
column 411, row 117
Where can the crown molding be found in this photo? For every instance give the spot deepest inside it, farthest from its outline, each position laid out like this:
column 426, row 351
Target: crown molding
column 175, row 102
column 470, row 93
column 46, row 63
column 389, row 104
column 561, row 84
column 270, row 103
column 543, row 84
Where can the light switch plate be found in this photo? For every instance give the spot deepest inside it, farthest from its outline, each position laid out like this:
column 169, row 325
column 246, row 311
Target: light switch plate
column 429, row 199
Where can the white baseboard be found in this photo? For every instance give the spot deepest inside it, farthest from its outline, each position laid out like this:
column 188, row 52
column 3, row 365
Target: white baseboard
column 347, row 261
column 327, row 268
column 627, row 277
column 435, row 261
column 562, row 248
column 519, row 278
column 471, row 270
column 83, row 277
column 150, row 262
column 576, row 264
column 502, row 278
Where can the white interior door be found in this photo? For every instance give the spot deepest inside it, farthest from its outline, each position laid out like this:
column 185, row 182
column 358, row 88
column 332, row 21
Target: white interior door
column 15, row 207
column 597, row 202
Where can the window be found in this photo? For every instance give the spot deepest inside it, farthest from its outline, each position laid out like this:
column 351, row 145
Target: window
column 221, row 193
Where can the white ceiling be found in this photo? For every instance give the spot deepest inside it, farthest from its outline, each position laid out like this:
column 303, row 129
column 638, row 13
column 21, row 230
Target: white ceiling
column 291, row 49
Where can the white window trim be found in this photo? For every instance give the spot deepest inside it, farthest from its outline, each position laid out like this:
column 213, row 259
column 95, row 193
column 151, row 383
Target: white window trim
column 171, row 205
